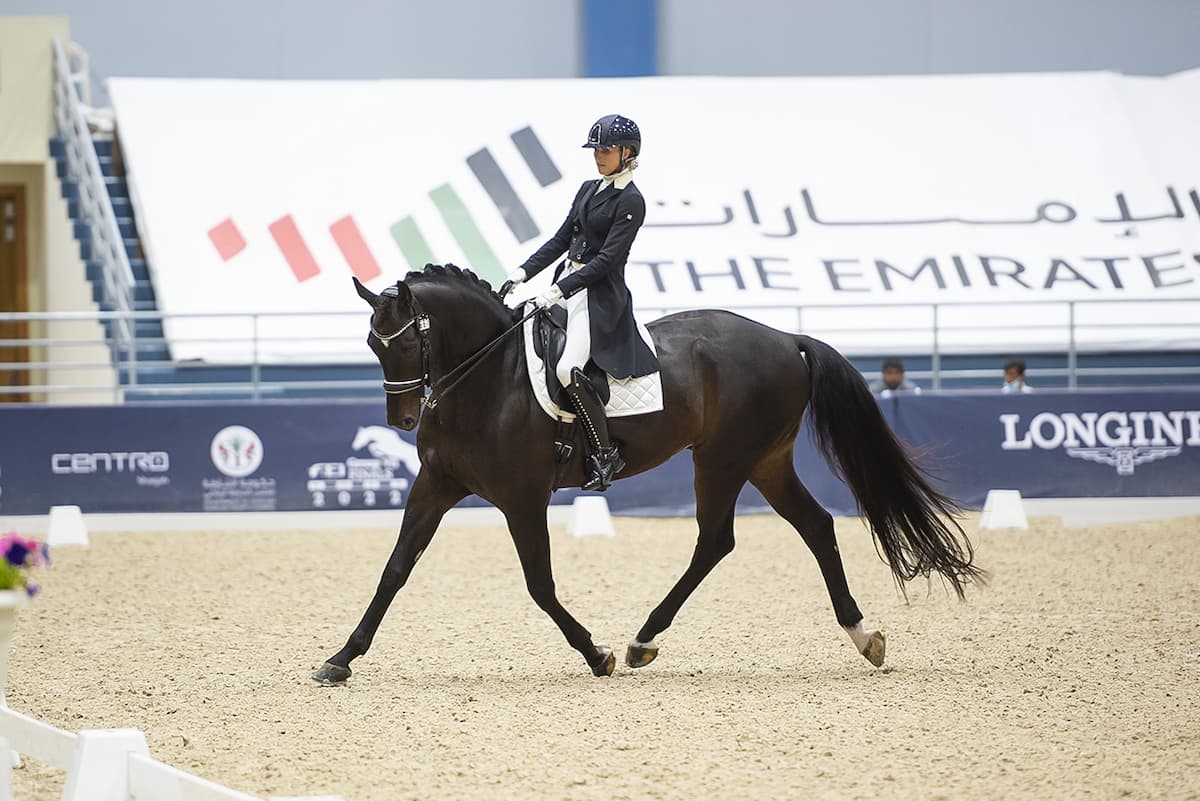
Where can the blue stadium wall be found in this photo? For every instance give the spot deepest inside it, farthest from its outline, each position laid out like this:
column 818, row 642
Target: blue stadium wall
column 319, row 39
column 276, row 456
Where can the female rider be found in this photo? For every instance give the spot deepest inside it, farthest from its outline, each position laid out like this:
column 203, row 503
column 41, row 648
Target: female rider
column 596, row 236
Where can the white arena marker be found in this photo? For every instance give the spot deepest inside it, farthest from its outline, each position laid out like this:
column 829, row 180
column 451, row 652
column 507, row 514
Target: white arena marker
column 99, row 771
column 590, row 518
column 1003, row 509
column 66, row 527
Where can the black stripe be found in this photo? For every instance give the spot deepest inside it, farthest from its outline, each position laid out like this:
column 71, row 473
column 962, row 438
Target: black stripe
column 536, row 156
column 501, row 192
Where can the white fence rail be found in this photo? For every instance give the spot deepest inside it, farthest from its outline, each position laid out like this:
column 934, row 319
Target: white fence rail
column 106, row 765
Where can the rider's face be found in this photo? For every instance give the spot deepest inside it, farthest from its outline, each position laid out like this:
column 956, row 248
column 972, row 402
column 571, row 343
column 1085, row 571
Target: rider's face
column 608, row 159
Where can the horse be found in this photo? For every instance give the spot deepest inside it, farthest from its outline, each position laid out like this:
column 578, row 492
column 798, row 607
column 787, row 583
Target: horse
column 734, row 393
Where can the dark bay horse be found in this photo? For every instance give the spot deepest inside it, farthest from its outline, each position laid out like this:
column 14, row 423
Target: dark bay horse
column 734, row 393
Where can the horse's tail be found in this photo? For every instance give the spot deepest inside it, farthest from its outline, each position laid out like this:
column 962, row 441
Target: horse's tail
column 912, row 522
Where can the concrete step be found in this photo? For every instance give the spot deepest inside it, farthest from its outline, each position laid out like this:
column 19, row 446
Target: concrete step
column 138, row 305
column 95, row 270
column 142, row 291
column 117, row 187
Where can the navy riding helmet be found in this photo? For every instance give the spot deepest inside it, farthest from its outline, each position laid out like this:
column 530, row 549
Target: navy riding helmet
column 613, row 131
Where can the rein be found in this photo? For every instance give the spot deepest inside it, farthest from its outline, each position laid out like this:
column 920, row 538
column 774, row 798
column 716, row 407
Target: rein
column 423, row 324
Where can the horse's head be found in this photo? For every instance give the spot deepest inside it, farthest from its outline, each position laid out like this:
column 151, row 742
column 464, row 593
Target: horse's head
column 464, row 310
column 399, row 338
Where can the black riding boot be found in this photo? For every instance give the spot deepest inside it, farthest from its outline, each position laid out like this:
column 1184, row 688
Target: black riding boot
column 603, row 461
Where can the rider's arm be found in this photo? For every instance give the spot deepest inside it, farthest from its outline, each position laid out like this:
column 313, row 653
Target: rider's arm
column 557, row 244
column 627, row 219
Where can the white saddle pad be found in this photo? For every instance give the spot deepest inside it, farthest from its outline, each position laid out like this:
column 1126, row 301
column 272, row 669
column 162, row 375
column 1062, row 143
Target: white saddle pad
column 627, row 396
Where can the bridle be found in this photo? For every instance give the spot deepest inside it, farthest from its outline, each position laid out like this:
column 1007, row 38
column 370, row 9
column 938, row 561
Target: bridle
column 423, row 325
column 421, row 320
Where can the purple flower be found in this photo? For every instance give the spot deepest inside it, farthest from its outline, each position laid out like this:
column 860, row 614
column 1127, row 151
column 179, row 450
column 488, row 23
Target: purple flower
column 16, row 553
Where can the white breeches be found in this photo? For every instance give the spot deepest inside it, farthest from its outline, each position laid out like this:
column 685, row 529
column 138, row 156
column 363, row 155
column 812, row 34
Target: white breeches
column 579, row 337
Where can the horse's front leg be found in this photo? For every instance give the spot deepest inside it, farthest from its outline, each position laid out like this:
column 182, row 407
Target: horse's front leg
column 527, row 525
column 432, row 495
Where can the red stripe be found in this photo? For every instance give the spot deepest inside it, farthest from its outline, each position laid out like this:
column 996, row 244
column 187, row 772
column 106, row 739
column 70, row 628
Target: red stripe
column 227, row 239
column 354, row 248
column 294, row 249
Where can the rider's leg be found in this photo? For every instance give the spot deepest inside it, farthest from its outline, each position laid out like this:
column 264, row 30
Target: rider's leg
column 578, row 348
column 603, row 460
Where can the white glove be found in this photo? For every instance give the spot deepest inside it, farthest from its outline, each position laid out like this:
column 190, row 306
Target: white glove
column 549, row 297
column 517, row 276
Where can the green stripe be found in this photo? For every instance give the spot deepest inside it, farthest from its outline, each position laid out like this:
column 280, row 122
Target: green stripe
column 414, row 247
column 468, row 236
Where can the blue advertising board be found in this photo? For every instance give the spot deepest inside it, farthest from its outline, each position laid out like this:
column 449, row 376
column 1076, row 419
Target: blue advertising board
column 315, row 456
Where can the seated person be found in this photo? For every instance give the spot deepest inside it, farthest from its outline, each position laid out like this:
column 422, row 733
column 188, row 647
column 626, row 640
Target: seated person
column 1014, row 377
column 892, row 380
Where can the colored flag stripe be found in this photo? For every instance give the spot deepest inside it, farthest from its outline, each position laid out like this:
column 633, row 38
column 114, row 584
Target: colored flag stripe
column 350, row 241
column 482, row 260
column 293, row 247
column 227, row 239
column 501, row 192
column 539, row 161
column 412, row 245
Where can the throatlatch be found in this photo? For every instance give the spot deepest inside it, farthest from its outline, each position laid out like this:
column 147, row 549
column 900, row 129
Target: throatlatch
column 603, row 461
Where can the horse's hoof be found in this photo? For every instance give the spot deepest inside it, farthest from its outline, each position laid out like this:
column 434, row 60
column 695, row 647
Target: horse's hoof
column 640, row 654
column 875, row 648
column 604, row 667
column 331, row 675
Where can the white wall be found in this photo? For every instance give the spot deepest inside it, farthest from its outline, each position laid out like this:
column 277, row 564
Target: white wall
column 27, row 87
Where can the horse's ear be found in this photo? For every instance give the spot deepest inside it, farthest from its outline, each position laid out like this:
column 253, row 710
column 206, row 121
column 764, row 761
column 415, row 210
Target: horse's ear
column 366, row 294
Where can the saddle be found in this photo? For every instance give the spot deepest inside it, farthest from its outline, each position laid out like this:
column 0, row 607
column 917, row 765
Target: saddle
column 549, row 342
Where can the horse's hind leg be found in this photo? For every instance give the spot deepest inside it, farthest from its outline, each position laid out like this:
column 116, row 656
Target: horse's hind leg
column 776, row 479
column 717, row 487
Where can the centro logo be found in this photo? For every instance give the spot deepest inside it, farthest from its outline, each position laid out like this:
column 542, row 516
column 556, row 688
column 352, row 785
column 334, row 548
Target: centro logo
column 1120, row 439
column 114, row 462
column 236, row 451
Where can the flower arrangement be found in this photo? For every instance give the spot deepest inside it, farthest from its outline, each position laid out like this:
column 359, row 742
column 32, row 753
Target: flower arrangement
column 21, row 554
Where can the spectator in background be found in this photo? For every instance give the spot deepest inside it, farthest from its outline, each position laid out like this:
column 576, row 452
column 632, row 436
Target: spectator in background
column 1014, row 377
column 892, row 380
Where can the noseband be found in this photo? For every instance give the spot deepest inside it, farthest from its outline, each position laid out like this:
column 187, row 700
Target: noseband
column 421, row 320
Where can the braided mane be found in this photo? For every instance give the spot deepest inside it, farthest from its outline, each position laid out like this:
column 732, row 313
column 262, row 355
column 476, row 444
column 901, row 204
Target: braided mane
column 439, row 272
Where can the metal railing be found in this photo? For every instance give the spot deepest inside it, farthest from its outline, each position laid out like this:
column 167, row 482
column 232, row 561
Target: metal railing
column 258, row 364
column 964, row 328
column 95, row 206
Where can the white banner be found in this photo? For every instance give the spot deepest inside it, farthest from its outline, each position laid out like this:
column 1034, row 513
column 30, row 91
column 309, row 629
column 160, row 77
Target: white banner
column 1016, row 203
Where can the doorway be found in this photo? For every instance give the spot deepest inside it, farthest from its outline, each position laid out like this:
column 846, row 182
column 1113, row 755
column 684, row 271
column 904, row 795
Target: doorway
column 14, row 294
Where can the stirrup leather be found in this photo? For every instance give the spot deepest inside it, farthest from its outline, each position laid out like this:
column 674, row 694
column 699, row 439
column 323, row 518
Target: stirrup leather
column 603, row 460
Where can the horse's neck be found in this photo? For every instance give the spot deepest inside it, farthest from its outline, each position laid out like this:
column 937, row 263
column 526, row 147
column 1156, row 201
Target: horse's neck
column 467, row 323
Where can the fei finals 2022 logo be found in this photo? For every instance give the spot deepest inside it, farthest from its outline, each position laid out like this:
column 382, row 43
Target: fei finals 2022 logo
column 1122, row 440
column 229, row 241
